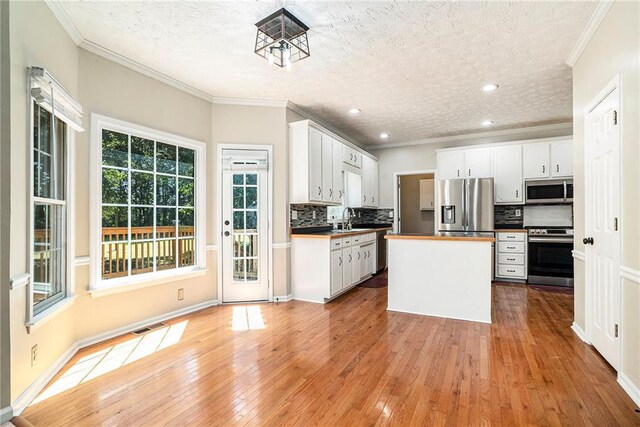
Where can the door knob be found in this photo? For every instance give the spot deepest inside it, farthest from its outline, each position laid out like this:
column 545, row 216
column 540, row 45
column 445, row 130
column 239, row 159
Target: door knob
column 226, row 234
column 226, row 222
column 588, row 240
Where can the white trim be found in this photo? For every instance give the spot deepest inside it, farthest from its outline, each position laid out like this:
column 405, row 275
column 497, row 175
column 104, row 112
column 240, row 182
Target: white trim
column 396, row 195
column 630, row 274
column 25, row 398
column 19, row 280
column 580, row 332
column 159, row 278
column 629, row 387
column 212, row 247
column 284, row 298
column 250, row 102
column 285, row 245
column 67, row 23
column 483, row 136
column 579, row 255
column 142, row 69
column 592, row 26
column 50, row 313
column 6, row 414
column 395, row 310
column 82, row 261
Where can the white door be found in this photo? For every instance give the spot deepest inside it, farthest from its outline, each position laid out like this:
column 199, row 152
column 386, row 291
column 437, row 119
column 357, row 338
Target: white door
column 450, row 165
column 374, row 183
column 336, row 271
column 536, row 160
column 356, row 264
column 477, row 163
column 347, row 261
column 245, row 266
column 562, row 158
column 327, row 169
column 338, row 175
column 366, row 181
column 602, row 197
column 315, row 165
column 507, row 170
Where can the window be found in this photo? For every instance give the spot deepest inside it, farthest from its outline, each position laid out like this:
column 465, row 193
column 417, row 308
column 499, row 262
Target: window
column 148, row 204
column 49, row 209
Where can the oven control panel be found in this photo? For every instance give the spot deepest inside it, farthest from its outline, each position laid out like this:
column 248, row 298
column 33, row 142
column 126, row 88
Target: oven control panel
column 550, row 232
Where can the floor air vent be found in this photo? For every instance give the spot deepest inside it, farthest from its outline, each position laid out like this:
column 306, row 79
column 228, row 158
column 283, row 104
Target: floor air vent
column 149, row 328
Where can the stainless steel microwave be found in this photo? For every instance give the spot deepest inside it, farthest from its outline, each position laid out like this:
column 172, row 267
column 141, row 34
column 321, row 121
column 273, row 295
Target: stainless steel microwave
column 549, row 191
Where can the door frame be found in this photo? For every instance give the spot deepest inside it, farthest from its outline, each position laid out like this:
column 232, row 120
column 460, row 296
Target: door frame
column 219, row 213
column 396, row 195
column 615, row 83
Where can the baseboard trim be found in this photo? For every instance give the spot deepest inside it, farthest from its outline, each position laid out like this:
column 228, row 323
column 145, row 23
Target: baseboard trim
column 580, row 333
column 21, row 403
column 285, row 245
column 630, row 388
column 630, row 273
column 283, row 298
column 6, row 414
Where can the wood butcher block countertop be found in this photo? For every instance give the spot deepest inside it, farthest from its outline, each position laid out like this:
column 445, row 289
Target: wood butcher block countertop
column 337, row 234
column 467, row 237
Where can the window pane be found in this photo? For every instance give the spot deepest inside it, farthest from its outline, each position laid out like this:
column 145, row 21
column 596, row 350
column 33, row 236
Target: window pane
column 44, row 168
column 252, row 270
column 252, row 245
column 166, row 222
column 142, row 258
column 252, row 197
column 141, row 223
column 142, row 153
column 238, row 197
column 186, row 252
column 45, row 130
column 115, row 259
column 42, row 228
column 238, row 245
column 165, row 254
column 115, row 186
column 115, row 149
column 58, row 163
column 238, row 179
column 252, row 221
column 115, row 223
column 49, row 253
column 165, row 158
column 252, row 179
column 238, row 220
column 186, row 191
column 141, row 188
column 165, row 190
column 186, row 222
column 186, row 159
column 238, row 269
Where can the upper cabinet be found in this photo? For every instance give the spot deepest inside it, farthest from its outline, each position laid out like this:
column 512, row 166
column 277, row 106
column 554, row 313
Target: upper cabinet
column 427, row 194
column 451, row 164
column 562, row 158
column 507, row 174
column 362, row 190
column 352, row 157
column 477, row 163
column 548, row 159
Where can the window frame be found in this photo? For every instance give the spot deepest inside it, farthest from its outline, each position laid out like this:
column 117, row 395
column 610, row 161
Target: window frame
column 99, row 285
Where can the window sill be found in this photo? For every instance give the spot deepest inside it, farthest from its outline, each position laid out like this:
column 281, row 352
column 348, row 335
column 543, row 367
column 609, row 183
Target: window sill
column 108, row 287
column 50, row 313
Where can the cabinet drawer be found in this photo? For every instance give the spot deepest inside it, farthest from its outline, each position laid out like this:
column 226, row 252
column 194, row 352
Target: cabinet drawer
column 336, row 244
column 346, row 241
column 515, row 247
column 512, row 237
column 513, row 259
column 511, row 271
column 357, row 239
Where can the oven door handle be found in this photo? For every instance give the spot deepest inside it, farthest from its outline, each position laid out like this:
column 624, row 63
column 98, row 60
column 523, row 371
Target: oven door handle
column 549, row 240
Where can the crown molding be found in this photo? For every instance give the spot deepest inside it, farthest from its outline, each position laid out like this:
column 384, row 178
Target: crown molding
column 588, row 32
column 61, row 14
column 248, row 101
column 310, row 116
column 533, row 132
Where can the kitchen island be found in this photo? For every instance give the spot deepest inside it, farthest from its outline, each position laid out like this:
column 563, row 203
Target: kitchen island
column 442, row 274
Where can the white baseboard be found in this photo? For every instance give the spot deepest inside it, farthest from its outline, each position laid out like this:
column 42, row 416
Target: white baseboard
column 630, row 388
column 580, row 333
column 6, row 414
column 21, row 403
column 283, row 298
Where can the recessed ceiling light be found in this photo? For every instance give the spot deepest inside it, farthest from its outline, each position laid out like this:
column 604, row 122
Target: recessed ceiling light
column 354, row 111
column 489, row 87
column 487, row 123
column 384, row 135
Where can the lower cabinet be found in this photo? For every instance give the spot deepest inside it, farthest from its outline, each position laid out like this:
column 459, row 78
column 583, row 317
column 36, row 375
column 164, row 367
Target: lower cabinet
column 511, row 256
column 349, row 261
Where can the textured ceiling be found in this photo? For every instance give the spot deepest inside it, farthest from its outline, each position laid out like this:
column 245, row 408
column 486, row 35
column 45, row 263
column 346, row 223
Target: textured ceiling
column 414, row 68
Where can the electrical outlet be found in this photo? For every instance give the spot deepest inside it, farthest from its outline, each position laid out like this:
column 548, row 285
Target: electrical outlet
column 34, row 355
column 294, row 214
column 390, row 214
column 314, row 214
column 180, row 294
column 518, row 213
column 358, row 214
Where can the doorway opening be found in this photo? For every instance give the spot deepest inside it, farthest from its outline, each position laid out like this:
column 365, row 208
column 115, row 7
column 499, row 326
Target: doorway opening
column 415, row 202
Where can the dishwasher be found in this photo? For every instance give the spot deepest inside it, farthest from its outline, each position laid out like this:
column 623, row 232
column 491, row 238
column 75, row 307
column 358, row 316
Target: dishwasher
column 382, row 250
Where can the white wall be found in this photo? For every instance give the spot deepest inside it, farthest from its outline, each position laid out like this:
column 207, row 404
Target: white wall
column 614, row 48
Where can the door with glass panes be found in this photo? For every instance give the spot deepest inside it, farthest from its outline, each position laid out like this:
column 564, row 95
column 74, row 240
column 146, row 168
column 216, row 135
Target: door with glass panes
column 244, row 226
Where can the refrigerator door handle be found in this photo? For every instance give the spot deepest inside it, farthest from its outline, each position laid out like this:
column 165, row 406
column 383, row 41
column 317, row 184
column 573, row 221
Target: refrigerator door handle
column 465, row 205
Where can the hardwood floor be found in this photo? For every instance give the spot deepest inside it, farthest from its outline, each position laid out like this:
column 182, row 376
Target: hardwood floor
column 349, row 362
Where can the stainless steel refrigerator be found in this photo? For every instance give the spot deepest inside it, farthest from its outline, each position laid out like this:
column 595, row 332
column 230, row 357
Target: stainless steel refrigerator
column 466, row 205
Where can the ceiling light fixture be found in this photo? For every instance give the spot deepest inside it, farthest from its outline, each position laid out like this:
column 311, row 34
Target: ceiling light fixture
column 282, row 39
column 489, row 87
column 487, row 123
column 354, row 111
column 384, row 135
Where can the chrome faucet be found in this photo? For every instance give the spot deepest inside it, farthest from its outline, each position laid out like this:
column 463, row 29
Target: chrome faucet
column 348, row 219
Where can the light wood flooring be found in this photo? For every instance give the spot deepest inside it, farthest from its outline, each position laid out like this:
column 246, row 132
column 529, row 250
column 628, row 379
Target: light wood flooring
column 349, row 362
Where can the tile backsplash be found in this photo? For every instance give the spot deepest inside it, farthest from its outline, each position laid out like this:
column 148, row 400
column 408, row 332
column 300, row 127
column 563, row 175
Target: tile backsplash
column 505, row 216
column 363, row 216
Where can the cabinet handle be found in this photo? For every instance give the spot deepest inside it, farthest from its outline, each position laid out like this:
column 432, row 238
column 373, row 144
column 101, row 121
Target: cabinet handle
column 511, row 271
column 557, row 168
column 458, row 172
column 319, row 191
column 330, row 192
column 350, row 258
column 511, row 259
column 364, row 199
column 358, row 255
column 340, row 258
column 516, row 193
column 469, row 172
column 543, row 168
column 373, row 199
column 369, row 253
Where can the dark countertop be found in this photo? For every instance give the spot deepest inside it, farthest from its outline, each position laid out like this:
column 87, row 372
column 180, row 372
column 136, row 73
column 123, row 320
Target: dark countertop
column 331, row 234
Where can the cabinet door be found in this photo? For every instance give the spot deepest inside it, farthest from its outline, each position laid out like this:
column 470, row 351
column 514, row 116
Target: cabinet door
column 535, row 158
column 562, row 158
column 327, row 169
column 347, row 262
column 356, row 264
column 477, row 163
column 336, row 271
column 315, row 165
column 374, row 183
column 426, row 194
column 507, row 173
column 366, row 181
column 450, row 165
column 338, row 177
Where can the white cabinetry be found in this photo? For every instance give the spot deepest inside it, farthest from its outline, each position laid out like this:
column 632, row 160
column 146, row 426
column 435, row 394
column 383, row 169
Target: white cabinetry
column 327, row 169
column 451, row 164
column 362, row 190
column 535, row 160
column 315, row 166
column 511, row 256
column 548, row 159
column 477, row 163
column 338, row 173
column 507, row 174
column 352, row 157
column 346, row 262
column 562, row 158
column 427, row 191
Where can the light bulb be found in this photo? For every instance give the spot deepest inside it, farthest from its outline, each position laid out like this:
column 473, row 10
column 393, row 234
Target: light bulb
column 288, row 63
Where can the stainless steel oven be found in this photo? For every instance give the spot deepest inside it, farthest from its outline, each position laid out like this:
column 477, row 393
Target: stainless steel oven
column 550, row 259
column 549, row 191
